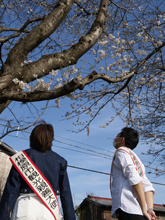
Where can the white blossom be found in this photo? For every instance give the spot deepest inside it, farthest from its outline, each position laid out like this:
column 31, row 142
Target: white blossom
column 124, row 72
column 35, row 75
column 57, row 101
column 66, row 75
column 125, row 58
column 126, row 24
column 142, row 78
column 143, row 27
column 139, row 52
column 74, row 69
column 117, row 41
column 139, row 34
column 111, row 36
column 102, row 54
column 58, row 85
column 104, row 126
column 145, row 39
column 79, row 77
column 132, row 42
column 53, row 73
column 101, row 43
column 131, row 60
column 41, row 85
column 138, row 106
column 94, row 51
column 22, row 85
column 113, row 47
column 28, row 61
column 123, row 41
column 16, row 81
column 118, row 54
column 159, row 43
column 59, row 79
column 96, row 60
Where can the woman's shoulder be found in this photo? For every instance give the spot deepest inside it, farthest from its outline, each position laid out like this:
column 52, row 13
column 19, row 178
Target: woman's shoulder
column 29, row 151
column 54, row 154
column 50, row 154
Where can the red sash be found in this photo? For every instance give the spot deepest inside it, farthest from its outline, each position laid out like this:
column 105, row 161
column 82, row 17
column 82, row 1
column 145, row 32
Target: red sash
column 37, row 182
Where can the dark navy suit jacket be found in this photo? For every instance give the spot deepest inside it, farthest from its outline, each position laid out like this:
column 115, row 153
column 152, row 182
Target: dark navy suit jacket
column 53, row 167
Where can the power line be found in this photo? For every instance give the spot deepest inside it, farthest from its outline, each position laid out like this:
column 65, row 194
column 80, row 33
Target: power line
column 75, row 142
column 84, row 143
column 84, row 148
column 87, row 153
column 102, row 155
column 95, row 171
column 88, row 149
column 80, row 151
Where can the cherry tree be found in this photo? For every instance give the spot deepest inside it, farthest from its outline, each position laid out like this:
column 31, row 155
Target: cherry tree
column 97, row 53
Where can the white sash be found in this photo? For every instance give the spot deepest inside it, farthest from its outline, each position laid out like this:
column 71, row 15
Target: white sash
column 37, row 182
column 134, row 159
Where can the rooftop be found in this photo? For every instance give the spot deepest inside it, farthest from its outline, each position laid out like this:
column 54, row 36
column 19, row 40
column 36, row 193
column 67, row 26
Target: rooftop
column 108, row 202
column 5, row 148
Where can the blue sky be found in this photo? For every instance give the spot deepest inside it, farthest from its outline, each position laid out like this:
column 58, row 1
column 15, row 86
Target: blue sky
column 84, row 182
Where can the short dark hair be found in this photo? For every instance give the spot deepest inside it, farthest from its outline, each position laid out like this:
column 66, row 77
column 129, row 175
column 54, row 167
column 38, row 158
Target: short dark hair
column 131, row 137
column 42, row 136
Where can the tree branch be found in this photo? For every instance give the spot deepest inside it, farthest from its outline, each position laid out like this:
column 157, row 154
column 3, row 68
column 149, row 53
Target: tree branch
column 19, row 31
column 27, row 127
column 62, row 91
column 40, row 32
column 66, row 58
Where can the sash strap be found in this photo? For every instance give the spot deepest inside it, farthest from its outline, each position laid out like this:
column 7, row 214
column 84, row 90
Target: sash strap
column 134, row 159
column 37, row 182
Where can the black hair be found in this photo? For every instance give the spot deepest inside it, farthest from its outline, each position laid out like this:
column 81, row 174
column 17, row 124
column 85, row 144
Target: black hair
column 42, row 136
column 131, row 137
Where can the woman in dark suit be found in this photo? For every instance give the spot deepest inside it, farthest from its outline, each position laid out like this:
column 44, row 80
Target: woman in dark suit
column 19, row 199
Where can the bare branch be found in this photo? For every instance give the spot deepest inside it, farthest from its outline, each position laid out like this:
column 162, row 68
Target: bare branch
column 80, row 6
column 103, row 105
column 118, row 6
column 19, row 31
column 26, row 127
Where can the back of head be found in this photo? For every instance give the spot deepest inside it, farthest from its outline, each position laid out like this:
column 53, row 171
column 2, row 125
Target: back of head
column 131, row 137
column 42, row 136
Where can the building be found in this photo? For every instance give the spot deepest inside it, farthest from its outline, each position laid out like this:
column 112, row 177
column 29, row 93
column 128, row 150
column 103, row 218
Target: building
column 5, row 152
column 97, row 208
